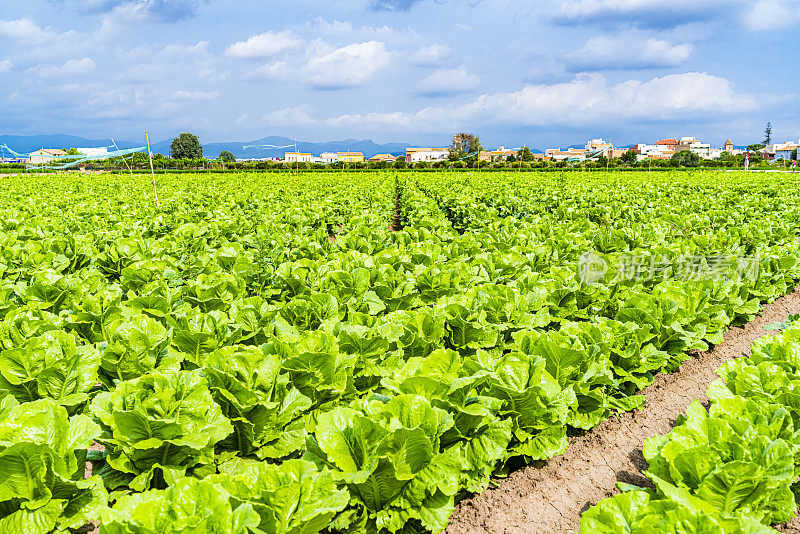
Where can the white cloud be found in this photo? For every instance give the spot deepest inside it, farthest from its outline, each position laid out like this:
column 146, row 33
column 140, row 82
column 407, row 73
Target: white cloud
column 291, row 116
column 159, row 11
column 36, row 44
column 73, row 67
column 279, row 69
column 432, row 55
column 324, row 66
column 444, row 82
column 397, row 120
column 194, row 95
column 199, row 48
column 347, row 66
column 758, row 15
column 588, row 99
column 346, row 28
column 588, row 8
column 629, row 50
column 184, row 63
column 265, row 45
column 342, row 27
column 767, row 15
column 640, row 12
column 244, row 120
column 23, row 29
column 5, row 65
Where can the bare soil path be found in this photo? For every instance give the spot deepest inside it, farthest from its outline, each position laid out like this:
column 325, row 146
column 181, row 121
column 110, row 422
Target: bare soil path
column 551, row 498
column 792, row 527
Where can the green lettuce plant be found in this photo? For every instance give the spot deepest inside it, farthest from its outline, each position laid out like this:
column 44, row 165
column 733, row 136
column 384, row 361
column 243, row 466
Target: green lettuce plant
column 42, row 462
column 294, row 497
column 190, row 505
column 266, row 411
column 50, row 366
column 157, row 428
column 386, row 451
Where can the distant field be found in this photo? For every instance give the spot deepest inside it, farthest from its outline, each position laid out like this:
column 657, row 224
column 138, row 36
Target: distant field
column 348, row 352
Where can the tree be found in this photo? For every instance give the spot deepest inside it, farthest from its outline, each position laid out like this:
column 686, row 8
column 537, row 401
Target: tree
column 227, row 156
column 525, row 154
column 755, row 147
column 768, row 134
column 794, row 155
column 629, row 157
column 186, row 146
column 464, row 145
column 685, row 158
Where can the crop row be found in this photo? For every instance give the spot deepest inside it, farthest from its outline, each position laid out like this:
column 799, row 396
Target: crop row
column 731, row 468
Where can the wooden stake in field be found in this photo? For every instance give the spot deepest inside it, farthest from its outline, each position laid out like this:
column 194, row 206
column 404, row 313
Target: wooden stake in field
column 123, row 158
column 152, row 172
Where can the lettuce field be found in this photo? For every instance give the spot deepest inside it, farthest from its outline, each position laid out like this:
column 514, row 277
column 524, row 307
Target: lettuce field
column 357, row 352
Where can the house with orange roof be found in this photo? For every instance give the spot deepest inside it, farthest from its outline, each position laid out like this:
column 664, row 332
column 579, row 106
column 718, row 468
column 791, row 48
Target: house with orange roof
column 667, row 145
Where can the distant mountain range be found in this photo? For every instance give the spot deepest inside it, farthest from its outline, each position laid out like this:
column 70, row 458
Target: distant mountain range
column 29, row 143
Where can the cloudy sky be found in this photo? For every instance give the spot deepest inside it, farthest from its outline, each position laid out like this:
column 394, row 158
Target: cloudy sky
column 541, row 73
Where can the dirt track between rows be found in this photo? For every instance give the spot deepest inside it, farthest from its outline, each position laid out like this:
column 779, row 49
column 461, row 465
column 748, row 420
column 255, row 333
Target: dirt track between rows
column 551, row 498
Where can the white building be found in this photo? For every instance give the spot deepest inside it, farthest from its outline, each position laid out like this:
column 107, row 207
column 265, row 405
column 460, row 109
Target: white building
column 650, row 151
column 556, row 154
column 93, row 152
column 328, row 157
column 782, row 150
column 45, row 155
column 787, row 152
column 595, row 145
column 414, row 155
column 694, row 145
column 297, row 157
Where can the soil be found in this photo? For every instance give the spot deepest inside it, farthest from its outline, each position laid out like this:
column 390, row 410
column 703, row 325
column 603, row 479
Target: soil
column 94, row 447
column 551, row 497
column 792, row 527
column 93, row 527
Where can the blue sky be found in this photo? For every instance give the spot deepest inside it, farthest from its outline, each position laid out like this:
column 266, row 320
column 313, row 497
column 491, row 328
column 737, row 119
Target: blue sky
column 543, row 73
